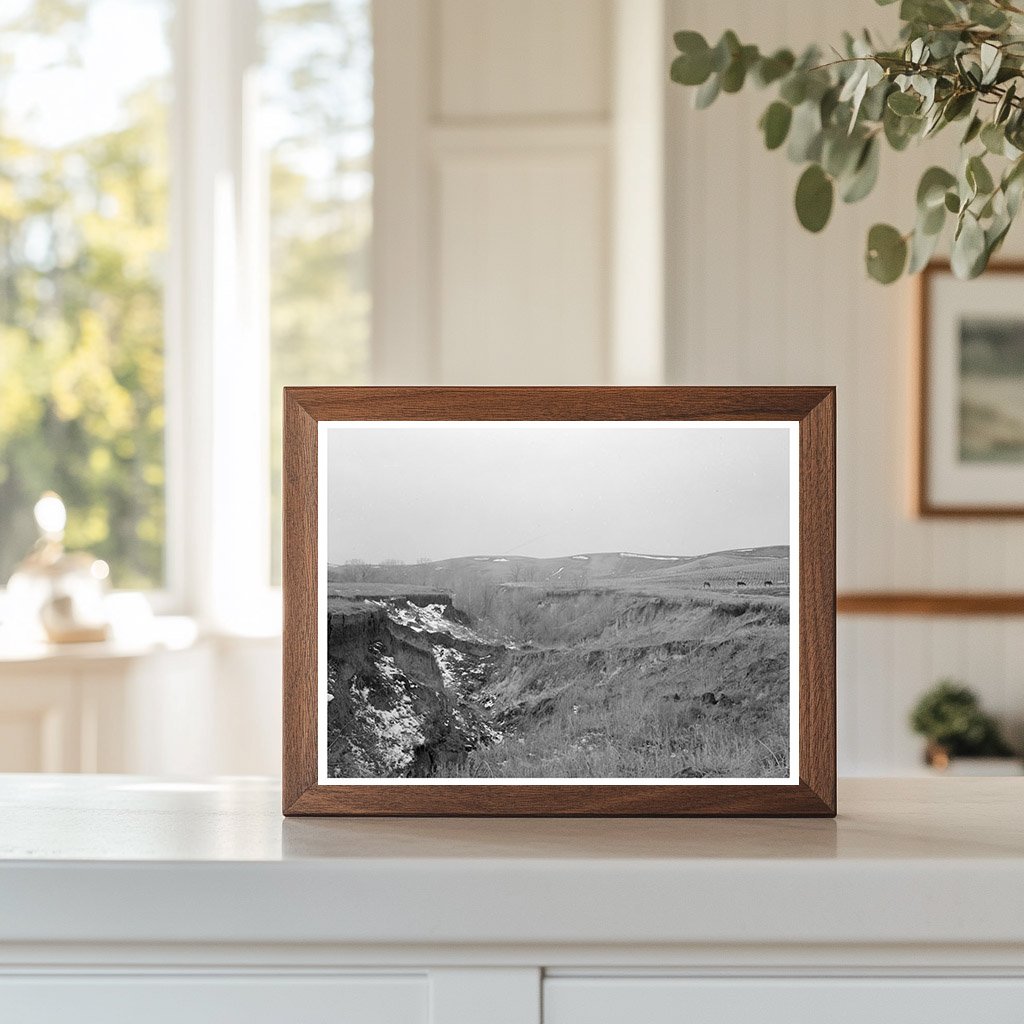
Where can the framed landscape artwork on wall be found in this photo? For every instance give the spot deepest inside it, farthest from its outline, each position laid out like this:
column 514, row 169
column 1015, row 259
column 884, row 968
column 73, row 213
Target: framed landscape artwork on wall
column 571, row 601
column 970, row 450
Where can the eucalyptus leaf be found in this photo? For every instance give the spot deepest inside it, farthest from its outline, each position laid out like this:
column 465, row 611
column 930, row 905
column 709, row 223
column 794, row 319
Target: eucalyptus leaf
column 690, row 42
column 886, row 253
column 944, row 44
column 993, row 138
column 922, row 248
column 925, row 87
column 771, row 69
column 933, row 122
column 794, row 88
column 957, row 106
column 867, row 74
column 978, row 176
column 840, row 152
column 873, row 106
column 805, row 133
column 932, row 221
column 904, row 103
column 900, row 130
column 690, row 69
column 973, row 130
column 1005, row 105
column 707, row 93
column 735, row 74
column 931, row 190
column 987, row 15
column 865, row 173
column 968, row 248
column 966, row 187
column 814, row 196
column 724, row 51
column 1014, row 192
column 827, row 106
column 930, row 12
column 775, row 124
column 991, row 60
column 1013, row 187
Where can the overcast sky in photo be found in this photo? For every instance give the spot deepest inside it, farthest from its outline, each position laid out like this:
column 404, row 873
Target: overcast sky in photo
column 442, row 491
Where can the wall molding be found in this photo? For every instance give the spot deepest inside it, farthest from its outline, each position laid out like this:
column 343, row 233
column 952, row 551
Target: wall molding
column 928, row 603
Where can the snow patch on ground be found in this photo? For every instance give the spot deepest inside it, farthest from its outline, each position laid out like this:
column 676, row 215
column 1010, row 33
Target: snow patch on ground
column 580, row 558
column 460, row 680
column 388, row 716
column 430, row 618
column 652, row 558
column 448, row 663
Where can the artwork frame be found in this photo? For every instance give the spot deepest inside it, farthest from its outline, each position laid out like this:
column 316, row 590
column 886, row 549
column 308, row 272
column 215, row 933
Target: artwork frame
column 812, row 412
column 956, row 475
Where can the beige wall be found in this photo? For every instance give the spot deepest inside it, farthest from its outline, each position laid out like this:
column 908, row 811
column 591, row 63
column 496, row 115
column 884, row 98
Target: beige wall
column 504, row 148
column 753, row 299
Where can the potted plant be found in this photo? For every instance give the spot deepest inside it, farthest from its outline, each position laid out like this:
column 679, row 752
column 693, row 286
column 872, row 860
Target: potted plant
column 950, row 718
column 957, row 62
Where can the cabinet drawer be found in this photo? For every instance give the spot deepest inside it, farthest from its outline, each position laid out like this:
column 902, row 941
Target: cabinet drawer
column 782, row 1001
column 202, row 999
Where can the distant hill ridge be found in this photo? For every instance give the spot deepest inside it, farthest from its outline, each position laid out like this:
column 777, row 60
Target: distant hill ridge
column 751, row 566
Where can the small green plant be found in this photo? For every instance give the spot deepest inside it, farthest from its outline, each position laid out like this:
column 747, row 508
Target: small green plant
column 956, row 61
column 950, row 717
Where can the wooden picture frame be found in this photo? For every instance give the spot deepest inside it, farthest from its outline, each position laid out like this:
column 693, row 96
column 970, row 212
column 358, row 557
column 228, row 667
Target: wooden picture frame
column 940, row 488
column 810, row 788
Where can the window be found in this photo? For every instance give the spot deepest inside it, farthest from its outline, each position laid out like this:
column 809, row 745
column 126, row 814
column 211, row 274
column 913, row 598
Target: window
column 317, row 119
column 83, row 234
column 185, row 221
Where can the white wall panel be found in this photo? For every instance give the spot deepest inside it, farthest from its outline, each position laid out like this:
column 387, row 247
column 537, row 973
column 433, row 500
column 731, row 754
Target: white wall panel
column 527, row 58
column 521, row 204
column 493, row 204
column 522, row 284
column 754, row 299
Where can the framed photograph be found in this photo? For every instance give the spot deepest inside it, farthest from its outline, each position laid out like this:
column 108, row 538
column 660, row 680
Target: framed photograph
column 970, row 450
column 559, row 601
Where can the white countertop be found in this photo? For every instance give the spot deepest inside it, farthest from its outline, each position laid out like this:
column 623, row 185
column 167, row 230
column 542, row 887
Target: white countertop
column 122, row 859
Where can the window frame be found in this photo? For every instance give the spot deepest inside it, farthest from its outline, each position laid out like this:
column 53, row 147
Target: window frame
column 216, row 347
column 216, row 329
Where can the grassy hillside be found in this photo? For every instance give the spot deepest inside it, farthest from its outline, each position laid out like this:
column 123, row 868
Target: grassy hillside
column 600, row 665
column 696, row 687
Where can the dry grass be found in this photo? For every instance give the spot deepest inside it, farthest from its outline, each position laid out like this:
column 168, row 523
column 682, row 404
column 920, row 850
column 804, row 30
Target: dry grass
column 641, row 701
column 634, row 679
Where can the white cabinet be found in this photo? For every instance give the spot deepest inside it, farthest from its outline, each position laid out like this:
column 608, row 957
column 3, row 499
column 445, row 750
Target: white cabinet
column 170, row 703
column 126, row 899
column 99, row 707
column 215, row 1000
column 624, row 1000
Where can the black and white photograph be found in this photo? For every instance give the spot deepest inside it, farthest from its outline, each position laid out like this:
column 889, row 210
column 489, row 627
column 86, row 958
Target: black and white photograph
column 992, row 389
column 512, row 601
column 971, row 394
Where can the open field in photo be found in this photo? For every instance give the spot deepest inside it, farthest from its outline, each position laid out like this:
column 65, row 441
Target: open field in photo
column 603, row 665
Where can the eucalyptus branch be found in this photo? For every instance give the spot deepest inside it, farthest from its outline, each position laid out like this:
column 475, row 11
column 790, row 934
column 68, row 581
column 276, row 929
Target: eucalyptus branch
column 954, row 60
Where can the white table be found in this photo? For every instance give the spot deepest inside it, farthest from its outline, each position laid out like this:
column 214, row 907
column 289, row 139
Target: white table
column 125, row 898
